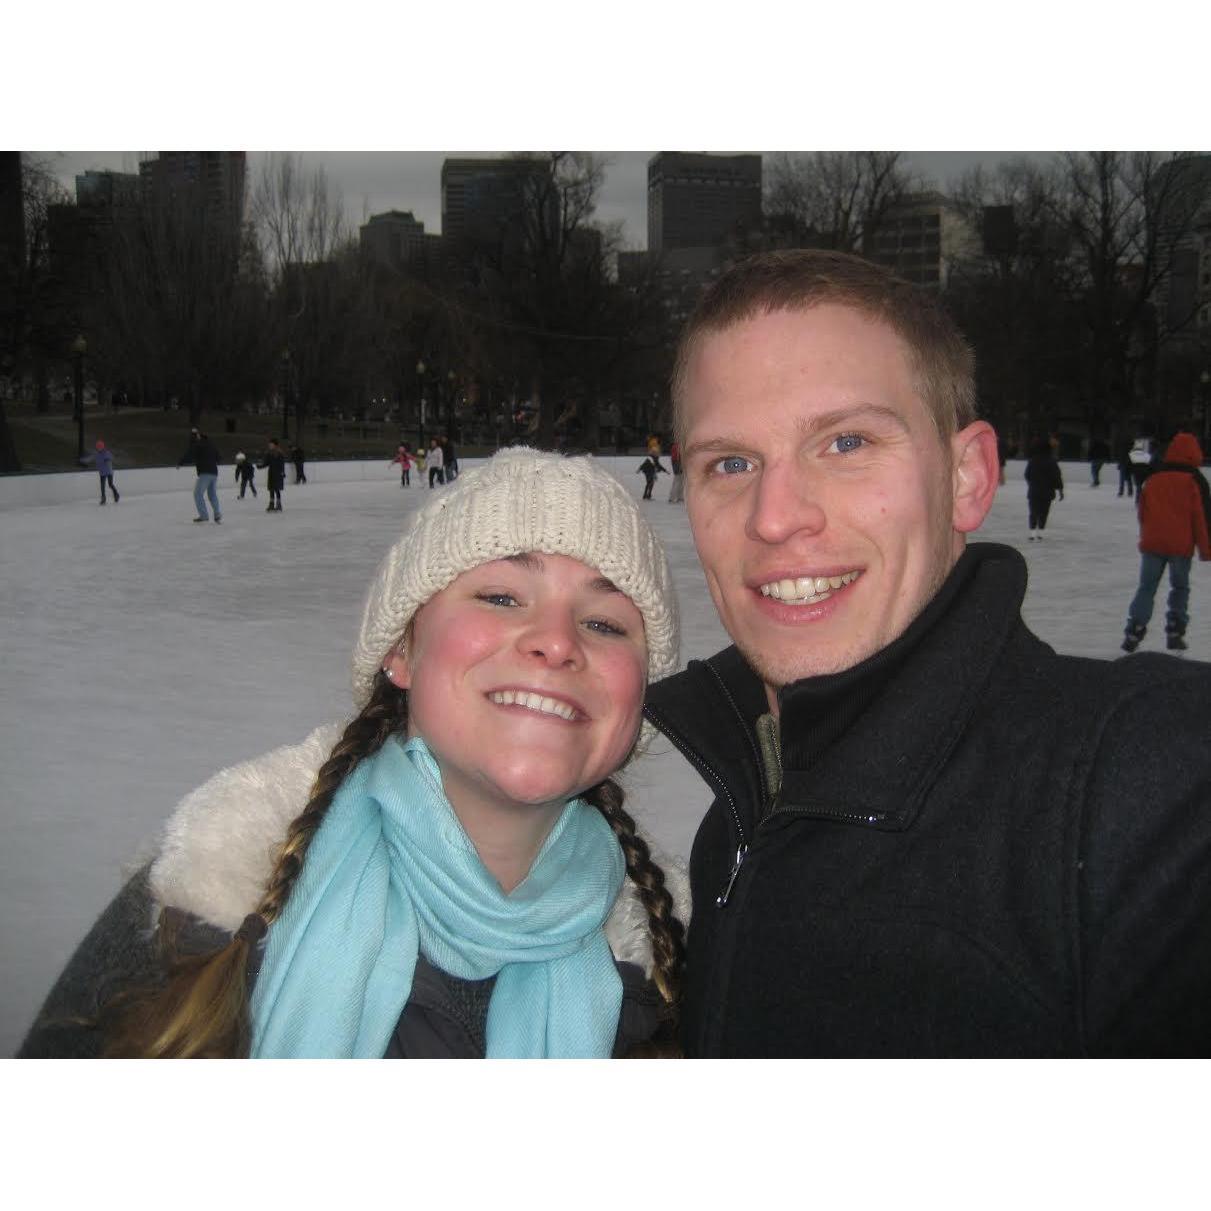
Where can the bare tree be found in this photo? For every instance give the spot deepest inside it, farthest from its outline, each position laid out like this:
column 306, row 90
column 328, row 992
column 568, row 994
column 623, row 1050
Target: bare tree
column 297, row 217
column 309, row 252
column 39, row 323
column 1012, row 297
column 1127, row 214
column 838, row 198
column 556, row 313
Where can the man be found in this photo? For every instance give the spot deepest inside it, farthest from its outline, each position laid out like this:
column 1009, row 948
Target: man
column 931, row 835
column 1099, row 452
column 1172, row 524
column 449, row 459
column 204, row 455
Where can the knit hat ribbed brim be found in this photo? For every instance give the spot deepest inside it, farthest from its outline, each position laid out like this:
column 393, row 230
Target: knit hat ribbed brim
column 520, row 501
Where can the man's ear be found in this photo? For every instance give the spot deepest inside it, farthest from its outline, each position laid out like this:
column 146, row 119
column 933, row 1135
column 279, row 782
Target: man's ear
column 398, row 666
column 975, row 476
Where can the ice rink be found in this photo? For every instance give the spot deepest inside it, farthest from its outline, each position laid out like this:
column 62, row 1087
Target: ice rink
column 141, row 653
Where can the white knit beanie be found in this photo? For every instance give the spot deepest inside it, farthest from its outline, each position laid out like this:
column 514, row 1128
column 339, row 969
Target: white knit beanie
column 520, row 500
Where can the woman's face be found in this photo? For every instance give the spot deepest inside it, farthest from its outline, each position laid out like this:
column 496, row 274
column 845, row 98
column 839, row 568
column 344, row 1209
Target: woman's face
column 525, row 678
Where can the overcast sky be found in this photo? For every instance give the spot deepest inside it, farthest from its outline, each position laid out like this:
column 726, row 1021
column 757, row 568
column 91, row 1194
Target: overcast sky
column 373, row 181
column 542, row 73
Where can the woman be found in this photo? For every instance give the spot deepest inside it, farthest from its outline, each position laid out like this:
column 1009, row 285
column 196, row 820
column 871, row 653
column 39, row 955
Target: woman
column 450, row 886
column 434, row 462
column 275, row 463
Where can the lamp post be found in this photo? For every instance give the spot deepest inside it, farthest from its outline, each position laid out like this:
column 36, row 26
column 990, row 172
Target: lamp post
column 420, row 378
column 79, row 347
column 285, row 394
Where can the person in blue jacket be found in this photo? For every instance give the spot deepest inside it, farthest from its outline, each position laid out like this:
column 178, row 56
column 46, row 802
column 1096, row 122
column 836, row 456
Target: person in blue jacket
column 104, row 462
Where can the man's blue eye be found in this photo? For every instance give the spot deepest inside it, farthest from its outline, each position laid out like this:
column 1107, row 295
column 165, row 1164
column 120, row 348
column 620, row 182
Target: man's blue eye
column 733, row 465
column 849, row 442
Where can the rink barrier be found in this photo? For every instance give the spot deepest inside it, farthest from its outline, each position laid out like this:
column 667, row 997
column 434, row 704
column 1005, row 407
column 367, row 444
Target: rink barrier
column 69, row 487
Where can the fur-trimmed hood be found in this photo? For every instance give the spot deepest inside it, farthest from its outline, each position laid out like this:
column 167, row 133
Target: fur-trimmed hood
column 221, row 840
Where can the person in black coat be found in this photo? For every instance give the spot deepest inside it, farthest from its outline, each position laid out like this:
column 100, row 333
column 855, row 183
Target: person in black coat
column 275, row 464
column 1122, row 457
column 1099, row 452
column 245, row 474
column 204, row 455
column 449, row 459
column 1043, row 483
column 927, row 835
column 650, row 467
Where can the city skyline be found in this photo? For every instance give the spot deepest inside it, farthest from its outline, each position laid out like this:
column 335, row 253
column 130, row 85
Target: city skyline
column 372, row 182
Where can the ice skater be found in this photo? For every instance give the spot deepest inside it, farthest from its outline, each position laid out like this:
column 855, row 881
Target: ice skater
column 245, row 474
column 1043, row 483
column 650, row 466
column 1099, row 452
column 103, row 459
column 677, row 490
column 1140, row 458
column 449, row 459
column 1126, row 481
column 275, row 466
column 453, row 873
column 204, row 455
column 434, row 461
column 403, row 456
column 1173, row 522
column 300, row 475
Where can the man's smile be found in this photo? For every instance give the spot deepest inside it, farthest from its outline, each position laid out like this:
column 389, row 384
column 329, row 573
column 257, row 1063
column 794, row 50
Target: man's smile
column 807, row 590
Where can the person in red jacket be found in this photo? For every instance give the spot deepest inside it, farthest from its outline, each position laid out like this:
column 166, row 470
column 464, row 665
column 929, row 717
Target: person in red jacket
column 1173, row 522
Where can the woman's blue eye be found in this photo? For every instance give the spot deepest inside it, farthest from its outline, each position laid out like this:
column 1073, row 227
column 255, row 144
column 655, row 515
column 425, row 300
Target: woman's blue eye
column 605, row 627
column 847, row 443
column 500, row 599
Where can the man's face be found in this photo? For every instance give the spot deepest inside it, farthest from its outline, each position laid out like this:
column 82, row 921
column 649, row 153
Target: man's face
column 820, row 494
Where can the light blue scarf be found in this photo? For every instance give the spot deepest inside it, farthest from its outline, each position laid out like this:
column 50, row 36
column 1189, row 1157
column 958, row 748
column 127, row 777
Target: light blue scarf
column 391, row 873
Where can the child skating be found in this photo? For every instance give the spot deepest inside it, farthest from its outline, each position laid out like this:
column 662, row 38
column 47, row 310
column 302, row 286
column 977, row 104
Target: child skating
column 245, row 474
column 104, row 462
column 403, row 456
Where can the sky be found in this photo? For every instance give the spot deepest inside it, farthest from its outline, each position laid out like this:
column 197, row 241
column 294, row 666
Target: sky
column 933, row 75
column 371, row 182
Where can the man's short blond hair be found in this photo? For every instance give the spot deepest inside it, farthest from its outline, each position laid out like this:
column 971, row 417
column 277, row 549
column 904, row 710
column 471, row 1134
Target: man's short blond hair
column 942, row 361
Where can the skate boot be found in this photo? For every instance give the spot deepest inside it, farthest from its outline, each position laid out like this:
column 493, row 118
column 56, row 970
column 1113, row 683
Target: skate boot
column 1175, row 635
column 1132, row 635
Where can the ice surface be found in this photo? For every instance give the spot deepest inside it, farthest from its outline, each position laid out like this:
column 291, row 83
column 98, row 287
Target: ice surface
column 141, row 653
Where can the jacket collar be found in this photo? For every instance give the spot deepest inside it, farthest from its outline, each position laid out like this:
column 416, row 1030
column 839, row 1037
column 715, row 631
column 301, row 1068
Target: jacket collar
column 218, row 847
column 880, row 768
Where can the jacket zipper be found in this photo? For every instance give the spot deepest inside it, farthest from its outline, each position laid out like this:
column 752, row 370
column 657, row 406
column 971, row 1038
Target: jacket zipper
column 712, row 776
column 722, row 897
column 823, row 813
